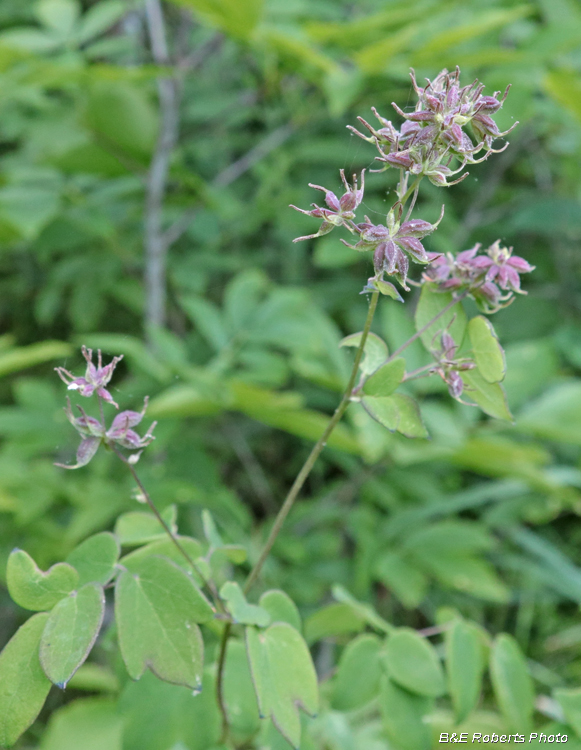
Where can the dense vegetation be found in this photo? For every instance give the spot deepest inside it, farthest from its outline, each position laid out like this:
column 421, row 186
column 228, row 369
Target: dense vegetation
column 177, row 252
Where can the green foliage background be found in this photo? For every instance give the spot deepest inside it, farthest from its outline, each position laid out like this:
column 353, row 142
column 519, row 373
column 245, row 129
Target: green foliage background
column 484, row 516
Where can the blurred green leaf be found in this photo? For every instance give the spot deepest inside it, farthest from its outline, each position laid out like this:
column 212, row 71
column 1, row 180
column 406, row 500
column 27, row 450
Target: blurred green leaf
column 488, row 353
column 357, row 679
column 490, row 397
column 404, row 579
column 413, row 664
column 23, row 684
column 465, row 664
column 374, row 352
column 512, row 683
column 138, row 527
column 404, row 716
column 91, row 723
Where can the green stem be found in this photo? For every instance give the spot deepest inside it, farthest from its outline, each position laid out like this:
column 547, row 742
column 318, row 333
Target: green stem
column 208, row 583
column 288, row 503
column 315, row 453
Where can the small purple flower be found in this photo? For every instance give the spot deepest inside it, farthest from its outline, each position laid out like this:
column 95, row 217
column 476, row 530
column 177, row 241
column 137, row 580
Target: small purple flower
column 96, row 378
column 340, row 211
column 121, row 432
column 503, row 267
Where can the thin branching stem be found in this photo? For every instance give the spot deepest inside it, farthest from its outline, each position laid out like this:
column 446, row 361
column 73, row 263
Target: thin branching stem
column 289, row 501
column 210, row 585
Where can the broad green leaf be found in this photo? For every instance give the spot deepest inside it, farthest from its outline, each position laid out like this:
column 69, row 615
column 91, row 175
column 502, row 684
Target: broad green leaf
column 431, row 303
column 22, row 357
column 404, row 716
column 70, row 633
column 412, row 663
column 465, row 665
column 238, row 607
column 122, row 117
column 239, row 693
column 138, row 527
column 490, row 397
column 383, row 409
column 465, row 572
column 34, row 589
column 403, row 578
column 157, row 610
column 386, row 379
column 89, row 723
column 455, row 536
column 281, row 608
column 570, row 702
column 95, row 558
column 332, row 620
column 234, row 552
column 357, row 679
column 512, row 683
column 374, row 352
column 284, row 677
column 488, row 352
column 23, row 684
column 410, row 421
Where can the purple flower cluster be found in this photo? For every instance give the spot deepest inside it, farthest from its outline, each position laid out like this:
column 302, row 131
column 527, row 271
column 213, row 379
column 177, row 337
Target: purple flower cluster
column 433, row 134
column 484, row 275
column 93, row 431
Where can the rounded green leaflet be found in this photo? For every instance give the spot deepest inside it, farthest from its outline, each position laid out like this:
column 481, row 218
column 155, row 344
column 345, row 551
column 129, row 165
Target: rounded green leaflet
column 404, row 715
column 490, row 397
column 23, row 684
column 413, row 663
column 512, row 683
column 284, row 677
column 465, row 664
column 357, row 679
column 95, row 558
column 157, row 608
column 70, row 633
column 488, row 352
column 386, row 379
column 383, row 409
column 430, row 304
column 410, row 421
column 281, row 608
column 239, row 694
column 374, row 352
column 242, row 612
column 35, row 589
